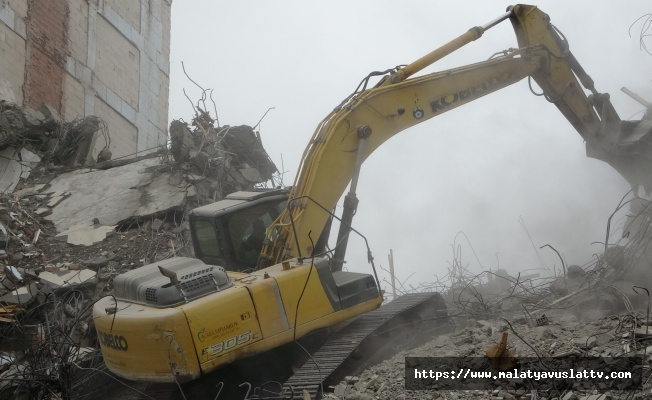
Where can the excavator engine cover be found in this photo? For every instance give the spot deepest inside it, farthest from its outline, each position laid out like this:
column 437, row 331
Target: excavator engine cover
column 148, row 285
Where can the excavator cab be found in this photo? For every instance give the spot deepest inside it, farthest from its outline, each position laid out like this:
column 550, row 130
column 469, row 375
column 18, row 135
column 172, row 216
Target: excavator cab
column 231, row 232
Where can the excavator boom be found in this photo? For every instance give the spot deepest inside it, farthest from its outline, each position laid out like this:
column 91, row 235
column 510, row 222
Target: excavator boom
column 400, row 101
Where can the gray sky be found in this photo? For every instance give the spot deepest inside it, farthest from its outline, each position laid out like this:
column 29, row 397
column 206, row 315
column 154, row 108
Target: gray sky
column 479, row 169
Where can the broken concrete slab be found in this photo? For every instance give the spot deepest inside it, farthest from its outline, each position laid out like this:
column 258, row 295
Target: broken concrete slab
column 96, row 263
column 14, row 165
column 67, row 279
column 115, row 194
column 43, row 211
column 54, row 200
column 86, row 233
column 30, row 191
column 251, row 174
column 23, row 295
column 585, row 342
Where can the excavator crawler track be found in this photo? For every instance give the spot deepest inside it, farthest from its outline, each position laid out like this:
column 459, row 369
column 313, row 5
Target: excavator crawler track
column 403, row 323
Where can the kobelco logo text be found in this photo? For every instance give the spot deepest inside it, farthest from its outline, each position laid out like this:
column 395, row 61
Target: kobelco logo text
column 473, row 92
column 115, row 342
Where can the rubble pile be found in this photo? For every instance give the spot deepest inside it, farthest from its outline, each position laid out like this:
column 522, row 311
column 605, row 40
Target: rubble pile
column 597, row 310
column 563, row 336
column 230, row 157
column 29, row 137
column 68, row 226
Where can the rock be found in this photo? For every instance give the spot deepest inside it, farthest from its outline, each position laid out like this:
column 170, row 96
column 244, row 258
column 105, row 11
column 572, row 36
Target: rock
column 569, row 396
column 13, row 274
column 96, row 263
column 251, row 174
column 585, row 342
column 16, row 257
column 54, row 200
column 486, row 326
column 52, row 268
column 161, row 256
column 546, row 333
column 43, row 211
column 181, row 142
column 359, row 396
column 24, row 295
column 50, row 113
column 156, row 224
column 33, row 118
column 14, row 165
column 67, row 279
column 575, row 272
column 30, row 191
column 86, row 233
column 340, row 389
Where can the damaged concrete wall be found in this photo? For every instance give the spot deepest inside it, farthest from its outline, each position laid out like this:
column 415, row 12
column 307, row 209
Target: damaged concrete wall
column 91, row 57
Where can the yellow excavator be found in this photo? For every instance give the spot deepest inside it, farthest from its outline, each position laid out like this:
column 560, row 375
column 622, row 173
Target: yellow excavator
column 264, row 275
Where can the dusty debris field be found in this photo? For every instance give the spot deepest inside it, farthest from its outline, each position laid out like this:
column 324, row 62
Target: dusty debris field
column 567, row 336
column 597, row 313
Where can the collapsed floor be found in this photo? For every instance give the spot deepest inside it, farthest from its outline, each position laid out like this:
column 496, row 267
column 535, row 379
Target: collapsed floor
column 71, row 220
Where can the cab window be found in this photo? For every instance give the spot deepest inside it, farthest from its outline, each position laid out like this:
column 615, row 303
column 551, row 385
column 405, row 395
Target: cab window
column 207, row 239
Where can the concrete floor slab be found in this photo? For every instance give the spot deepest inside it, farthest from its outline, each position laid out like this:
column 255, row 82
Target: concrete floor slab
column 115, row 194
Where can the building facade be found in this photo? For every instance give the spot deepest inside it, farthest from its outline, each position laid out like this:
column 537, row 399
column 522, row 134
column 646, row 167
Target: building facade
column 108, row 58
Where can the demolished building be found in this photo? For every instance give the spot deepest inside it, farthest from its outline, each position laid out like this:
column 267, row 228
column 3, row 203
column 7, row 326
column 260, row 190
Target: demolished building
column 67, row 226
column 105, row 58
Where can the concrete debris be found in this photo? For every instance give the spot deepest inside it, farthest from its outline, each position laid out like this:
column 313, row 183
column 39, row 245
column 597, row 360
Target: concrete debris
column 66, row 279
column 386, row 380
column 57, row 198
column 29, row 191
column 61, row 142
column 586, row 342
column 15, row 164
column 114, row 195
column 96, row 263
column 67, row 230
column 23, row 296
column 86, row 233
column 233, row 154
column 13, row 274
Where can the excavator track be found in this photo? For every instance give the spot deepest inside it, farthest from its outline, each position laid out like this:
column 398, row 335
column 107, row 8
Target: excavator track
column 403, row 323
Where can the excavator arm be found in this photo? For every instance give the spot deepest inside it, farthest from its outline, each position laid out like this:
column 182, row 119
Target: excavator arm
column 367, row 118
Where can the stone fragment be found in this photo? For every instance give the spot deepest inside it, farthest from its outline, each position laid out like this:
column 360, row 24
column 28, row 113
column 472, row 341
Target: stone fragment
column 67, row 279
column 585, row 342
column 33, row 117
column 86, row 233
column 54, row 200
column 30, row 191
column 23, row 295
column 97, row 263
column 340, row 390
column 13, row 274
column 569, row 396
column 156, row 224
column 251, row 174
column 14, row 165
column 43, row 211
